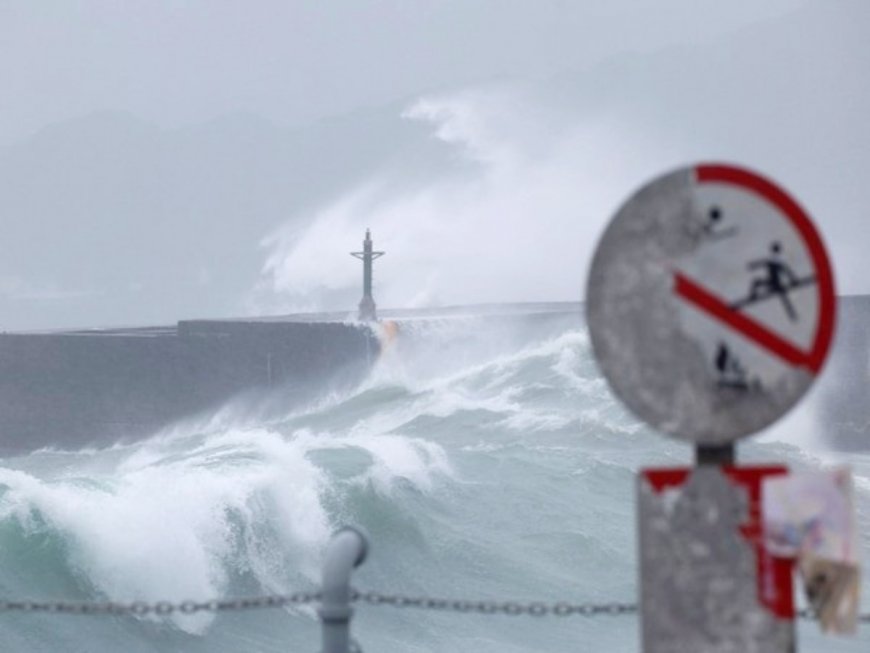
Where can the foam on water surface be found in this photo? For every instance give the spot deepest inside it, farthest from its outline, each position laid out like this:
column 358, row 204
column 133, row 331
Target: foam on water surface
column 483, row 466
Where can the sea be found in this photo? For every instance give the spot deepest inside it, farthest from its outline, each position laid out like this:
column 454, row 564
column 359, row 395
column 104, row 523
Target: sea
column 484, row 456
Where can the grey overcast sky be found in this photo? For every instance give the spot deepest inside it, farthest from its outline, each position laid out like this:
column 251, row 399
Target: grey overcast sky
column 178, row 62
column 163, row 160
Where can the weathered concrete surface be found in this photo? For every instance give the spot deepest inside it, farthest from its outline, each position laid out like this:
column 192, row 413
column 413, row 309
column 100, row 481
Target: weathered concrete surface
column 699, row 577
column 842, row 402
column 73, row 389
column 661, row 296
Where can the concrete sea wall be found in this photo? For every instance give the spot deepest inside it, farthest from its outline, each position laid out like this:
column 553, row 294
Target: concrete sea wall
column 843, row 397
column 78, row 388
column 73, row 389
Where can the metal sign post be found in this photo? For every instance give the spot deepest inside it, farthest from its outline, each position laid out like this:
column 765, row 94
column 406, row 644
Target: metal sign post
column 710, row 306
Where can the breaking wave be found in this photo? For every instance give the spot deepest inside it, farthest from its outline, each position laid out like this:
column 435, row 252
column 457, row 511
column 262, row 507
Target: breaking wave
column 484, row 461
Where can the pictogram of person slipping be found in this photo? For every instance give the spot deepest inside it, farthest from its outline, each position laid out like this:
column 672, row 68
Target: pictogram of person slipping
column 730, row 373
column 776, row 279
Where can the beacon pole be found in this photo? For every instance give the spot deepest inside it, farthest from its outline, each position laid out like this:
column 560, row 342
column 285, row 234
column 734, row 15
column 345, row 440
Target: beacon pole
column 367, row 309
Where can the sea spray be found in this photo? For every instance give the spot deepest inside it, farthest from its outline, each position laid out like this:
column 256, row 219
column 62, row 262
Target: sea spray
column 482, row 467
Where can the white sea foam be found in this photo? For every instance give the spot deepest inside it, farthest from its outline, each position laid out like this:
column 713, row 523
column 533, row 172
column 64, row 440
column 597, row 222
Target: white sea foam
column 163, row 527
column 507, row 474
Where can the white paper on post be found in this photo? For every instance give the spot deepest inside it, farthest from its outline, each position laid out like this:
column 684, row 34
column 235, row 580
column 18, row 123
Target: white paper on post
column 810, row 516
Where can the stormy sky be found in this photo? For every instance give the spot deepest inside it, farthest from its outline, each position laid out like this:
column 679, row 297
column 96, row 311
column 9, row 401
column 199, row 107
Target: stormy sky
column 169, row 160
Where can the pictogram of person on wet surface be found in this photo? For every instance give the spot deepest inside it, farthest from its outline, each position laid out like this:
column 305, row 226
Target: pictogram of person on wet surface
column 776, row 279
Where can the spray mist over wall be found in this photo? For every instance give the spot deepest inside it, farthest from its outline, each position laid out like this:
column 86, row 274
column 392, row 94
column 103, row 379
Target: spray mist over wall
column 514, row 219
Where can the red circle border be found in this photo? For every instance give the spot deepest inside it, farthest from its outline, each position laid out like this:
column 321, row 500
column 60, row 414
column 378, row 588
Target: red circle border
column 727, row 174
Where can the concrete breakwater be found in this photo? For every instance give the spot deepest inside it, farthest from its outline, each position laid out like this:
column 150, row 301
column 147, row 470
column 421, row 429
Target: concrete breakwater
column 843, row 397
column 71, row 389
column 93, row 387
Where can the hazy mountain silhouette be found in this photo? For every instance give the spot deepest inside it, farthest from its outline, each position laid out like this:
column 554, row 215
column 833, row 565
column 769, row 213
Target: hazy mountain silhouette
column 108, row 219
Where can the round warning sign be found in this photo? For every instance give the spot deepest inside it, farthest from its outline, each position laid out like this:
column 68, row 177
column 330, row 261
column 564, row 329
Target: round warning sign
column 710, row 303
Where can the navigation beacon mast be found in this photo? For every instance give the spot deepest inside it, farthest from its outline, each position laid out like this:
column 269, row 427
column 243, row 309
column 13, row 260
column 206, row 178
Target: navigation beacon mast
column 367, row 311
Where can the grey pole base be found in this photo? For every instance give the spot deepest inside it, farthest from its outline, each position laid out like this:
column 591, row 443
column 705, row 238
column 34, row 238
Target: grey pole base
column 714, row 454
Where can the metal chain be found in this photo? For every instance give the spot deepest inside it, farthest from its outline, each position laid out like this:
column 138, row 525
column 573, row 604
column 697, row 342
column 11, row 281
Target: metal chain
column 159, row 608
column 486, row 607
column 515, row 608
column 512, row 608
column 811, row 615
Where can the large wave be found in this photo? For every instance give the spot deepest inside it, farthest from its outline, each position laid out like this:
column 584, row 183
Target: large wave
column 486, row 458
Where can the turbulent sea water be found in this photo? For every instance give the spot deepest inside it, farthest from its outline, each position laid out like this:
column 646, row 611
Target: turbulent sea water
column 485, row 463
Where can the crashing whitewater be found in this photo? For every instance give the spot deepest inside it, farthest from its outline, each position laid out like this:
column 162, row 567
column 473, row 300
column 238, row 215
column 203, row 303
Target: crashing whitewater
column 482, row 466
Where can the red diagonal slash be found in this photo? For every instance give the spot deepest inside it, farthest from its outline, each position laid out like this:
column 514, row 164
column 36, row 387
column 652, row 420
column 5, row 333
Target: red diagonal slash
column 743, row 324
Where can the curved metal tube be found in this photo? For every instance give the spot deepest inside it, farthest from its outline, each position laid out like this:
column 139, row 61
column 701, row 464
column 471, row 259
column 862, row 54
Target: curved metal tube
column 346, row 551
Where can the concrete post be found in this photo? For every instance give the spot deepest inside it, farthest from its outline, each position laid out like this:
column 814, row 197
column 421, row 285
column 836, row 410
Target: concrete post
column 346, row 551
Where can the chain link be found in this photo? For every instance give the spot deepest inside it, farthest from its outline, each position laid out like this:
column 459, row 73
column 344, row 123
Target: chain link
column 511, row 608
column 160, row 608
column 515, row 608
column 811, row 615
column 485, row 607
